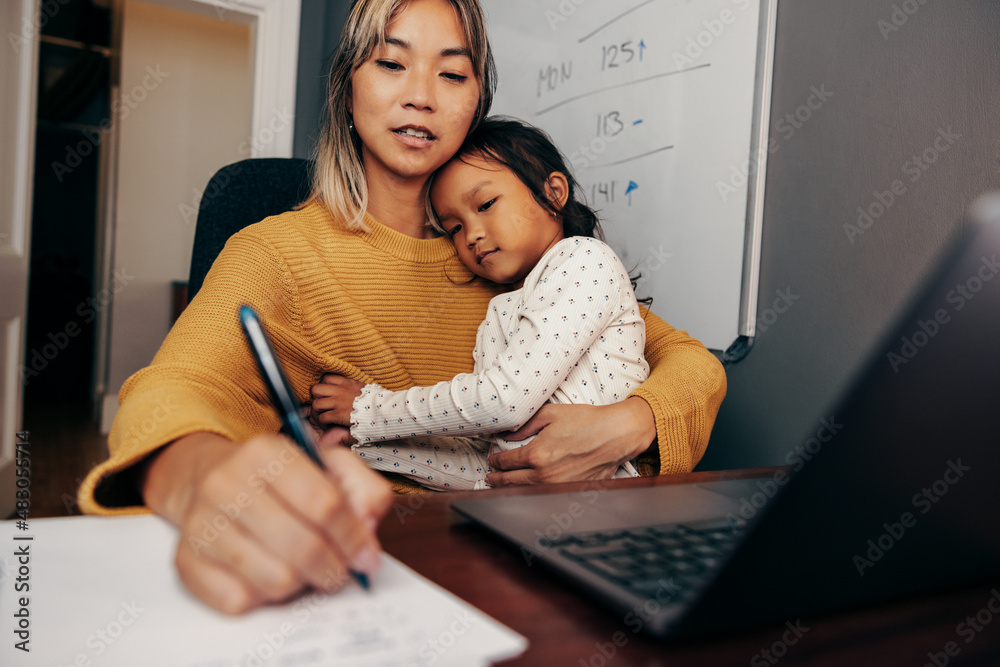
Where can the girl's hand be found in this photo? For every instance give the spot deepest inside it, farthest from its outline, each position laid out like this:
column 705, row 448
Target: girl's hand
column 575, row 442
column 259, row 521
column 333, row 399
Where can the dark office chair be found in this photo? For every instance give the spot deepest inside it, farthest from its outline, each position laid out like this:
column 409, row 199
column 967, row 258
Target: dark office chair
column 241, row 194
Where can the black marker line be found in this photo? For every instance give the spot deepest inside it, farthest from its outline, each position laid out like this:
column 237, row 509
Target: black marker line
column 618, row 85
column 635, row 157
column 586, row 37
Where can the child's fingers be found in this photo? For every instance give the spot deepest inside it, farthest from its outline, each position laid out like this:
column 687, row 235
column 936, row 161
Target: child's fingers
column 332, row 411
column 323, row 389
column 320, row 405
column 343, row 382
column 334, row 379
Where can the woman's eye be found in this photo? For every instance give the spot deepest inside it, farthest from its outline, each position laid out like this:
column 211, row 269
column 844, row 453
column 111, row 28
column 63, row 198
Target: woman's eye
column 389, row 65
column 488, row 205
column 458, row 78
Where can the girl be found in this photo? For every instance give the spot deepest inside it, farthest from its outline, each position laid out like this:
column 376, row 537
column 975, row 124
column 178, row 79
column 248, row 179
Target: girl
column 195, row 438
column 569, row 332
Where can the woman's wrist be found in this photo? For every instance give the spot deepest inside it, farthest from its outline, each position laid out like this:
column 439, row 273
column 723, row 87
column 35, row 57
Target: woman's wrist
column 172, row 472
column 639, row 423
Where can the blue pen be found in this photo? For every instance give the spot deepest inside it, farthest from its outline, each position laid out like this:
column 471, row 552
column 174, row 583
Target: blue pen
column 282, row 397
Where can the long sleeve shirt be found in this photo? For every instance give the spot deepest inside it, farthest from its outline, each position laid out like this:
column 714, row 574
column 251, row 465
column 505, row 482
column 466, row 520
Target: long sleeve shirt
column 573, row 333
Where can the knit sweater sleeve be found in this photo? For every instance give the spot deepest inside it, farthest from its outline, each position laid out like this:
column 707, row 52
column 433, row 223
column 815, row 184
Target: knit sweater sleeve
column 685, row 388
column 203, row 379
column 579, row 292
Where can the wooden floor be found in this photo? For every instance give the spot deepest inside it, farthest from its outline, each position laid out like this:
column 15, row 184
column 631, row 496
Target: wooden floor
column 65, row 445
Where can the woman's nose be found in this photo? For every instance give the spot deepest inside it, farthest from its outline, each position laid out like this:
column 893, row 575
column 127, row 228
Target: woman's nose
column 419, row 92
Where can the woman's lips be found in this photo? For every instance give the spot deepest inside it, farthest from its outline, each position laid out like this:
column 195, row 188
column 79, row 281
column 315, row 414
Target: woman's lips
column 414, row 135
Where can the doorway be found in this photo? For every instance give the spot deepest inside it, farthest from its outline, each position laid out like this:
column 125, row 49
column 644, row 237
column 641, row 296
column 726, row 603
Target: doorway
column 81, row 246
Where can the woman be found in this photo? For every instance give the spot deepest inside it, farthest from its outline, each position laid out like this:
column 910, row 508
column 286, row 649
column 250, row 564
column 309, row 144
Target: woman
column 355, row 283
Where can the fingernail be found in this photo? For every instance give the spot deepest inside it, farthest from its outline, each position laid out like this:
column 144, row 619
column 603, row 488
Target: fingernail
column 366, row 560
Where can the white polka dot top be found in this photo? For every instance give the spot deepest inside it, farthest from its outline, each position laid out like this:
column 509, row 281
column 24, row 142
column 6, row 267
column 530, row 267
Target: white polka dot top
column 571, row 334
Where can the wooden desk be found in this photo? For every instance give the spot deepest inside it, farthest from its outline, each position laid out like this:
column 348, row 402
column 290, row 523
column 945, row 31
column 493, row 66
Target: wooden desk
column 565, row 627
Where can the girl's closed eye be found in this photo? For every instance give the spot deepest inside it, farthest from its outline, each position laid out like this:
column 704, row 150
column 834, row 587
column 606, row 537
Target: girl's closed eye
column 389, row 65
column 454, row 76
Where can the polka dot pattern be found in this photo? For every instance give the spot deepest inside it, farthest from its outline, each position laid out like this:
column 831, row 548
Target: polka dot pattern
column 572, row 334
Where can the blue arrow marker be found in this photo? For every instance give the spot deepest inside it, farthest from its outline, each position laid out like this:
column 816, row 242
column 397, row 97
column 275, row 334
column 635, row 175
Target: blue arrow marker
column 632, row 185
column 642, row 46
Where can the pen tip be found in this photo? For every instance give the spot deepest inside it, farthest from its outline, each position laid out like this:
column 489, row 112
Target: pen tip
column 362, row 579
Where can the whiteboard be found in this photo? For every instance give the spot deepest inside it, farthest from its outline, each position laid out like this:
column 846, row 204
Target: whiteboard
column 662, row 108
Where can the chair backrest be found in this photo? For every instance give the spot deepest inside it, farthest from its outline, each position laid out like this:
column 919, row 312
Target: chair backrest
column 241, row 194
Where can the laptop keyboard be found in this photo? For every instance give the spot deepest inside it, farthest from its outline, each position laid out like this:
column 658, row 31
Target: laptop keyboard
column 666, row 561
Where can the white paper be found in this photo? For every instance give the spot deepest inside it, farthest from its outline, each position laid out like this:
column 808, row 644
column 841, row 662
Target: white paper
column 104, row 591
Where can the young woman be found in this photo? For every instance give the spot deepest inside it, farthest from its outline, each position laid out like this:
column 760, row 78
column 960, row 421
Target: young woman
column 354, row 283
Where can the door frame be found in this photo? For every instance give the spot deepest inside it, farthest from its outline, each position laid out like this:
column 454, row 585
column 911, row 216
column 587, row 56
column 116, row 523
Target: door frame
column 274, row 35
column 19, row 27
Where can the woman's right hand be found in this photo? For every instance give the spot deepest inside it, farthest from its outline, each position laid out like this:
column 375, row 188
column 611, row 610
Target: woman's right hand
column 259, row 522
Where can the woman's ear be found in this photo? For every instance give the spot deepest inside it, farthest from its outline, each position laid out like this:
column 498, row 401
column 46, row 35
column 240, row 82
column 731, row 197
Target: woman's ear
column 557, row 189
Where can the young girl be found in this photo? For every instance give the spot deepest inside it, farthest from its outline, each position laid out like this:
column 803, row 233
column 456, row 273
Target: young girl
column 569, row 332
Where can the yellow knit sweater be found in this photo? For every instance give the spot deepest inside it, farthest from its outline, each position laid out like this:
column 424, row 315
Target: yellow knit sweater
column 377, row 306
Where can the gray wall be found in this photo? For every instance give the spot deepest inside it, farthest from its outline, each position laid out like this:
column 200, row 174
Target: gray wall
column 319, row 34
column 891, row 94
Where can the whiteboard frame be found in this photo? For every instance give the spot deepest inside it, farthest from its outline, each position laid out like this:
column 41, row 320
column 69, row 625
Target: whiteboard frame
column 749, row 292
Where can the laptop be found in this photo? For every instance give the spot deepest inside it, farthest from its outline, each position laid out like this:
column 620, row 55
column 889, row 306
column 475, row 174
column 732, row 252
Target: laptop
column 893, row 490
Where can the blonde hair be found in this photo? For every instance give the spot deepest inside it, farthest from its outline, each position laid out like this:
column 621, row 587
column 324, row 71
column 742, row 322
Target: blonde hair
column 339, row 182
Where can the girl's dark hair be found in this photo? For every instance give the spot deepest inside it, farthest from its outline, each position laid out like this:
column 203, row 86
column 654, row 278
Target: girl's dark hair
column 532, row 156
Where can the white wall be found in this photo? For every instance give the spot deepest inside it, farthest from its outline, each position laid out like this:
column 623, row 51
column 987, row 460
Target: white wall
column 187, row 87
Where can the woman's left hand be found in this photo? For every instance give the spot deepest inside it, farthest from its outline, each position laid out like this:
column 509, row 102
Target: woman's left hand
column 575, row 442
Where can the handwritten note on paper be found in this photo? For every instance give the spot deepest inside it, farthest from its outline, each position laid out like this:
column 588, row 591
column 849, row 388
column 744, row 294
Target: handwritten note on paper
column 103, row 591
